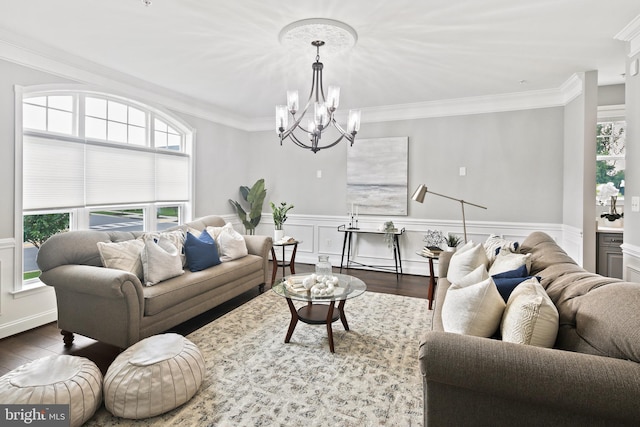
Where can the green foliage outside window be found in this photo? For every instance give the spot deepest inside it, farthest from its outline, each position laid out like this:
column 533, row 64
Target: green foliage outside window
column 610, row 142
column 38, row 228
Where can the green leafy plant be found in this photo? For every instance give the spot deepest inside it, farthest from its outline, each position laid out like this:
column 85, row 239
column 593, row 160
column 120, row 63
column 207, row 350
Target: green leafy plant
column 254, row 196
column 280, row 214
column 453, row 240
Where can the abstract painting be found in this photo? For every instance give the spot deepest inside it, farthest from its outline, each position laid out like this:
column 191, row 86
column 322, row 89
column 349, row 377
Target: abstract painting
column 377, row 176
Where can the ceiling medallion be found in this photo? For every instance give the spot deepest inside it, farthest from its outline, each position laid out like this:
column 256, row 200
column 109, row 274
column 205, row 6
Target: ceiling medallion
column 337, row 36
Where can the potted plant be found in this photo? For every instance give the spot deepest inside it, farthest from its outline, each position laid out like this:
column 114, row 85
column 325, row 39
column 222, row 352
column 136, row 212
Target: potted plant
column 255, row 197
column 452, row 242
column 279, row 218
column 389, row 232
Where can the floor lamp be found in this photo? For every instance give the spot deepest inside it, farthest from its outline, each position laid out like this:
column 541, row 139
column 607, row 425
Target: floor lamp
column 421, row 191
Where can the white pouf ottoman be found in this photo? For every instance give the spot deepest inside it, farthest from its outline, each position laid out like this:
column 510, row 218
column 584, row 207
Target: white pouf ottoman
column 63, row 379
column 153, row 376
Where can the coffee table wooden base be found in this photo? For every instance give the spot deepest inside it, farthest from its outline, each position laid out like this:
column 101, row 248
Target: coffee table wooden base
column 317, row 314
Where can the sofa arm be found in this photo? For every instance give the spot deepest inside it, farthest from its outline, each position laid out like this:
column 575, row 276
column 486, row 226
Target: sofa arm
column 102, row 303
column 261, row 246
column 502, row 380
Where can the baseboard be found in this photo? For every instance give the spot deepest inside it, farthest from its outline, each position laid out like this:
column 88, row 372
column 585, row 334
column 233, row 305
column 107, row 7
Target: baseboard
column 26, row 323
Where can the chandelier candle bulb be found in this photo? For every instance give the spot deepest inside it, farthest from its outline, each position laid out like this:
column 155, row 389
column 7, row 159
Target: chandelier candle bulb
column 353, row 125
column 333, row 97
column 292, row 101
column 282, row 118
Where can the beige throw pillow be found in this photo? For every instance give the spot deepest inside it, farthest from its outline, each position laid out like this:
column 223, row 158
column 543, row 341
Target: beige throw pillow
column 473, row 305
column 231, row 244
column 530, row 316
column 507, row 261
column 122, row 256
column 175, row 236
column 160, row 260
column 466, row 259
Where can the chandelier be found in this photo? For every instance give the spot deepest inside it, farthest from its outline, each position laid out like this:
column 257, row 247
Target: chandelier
column 308, row 135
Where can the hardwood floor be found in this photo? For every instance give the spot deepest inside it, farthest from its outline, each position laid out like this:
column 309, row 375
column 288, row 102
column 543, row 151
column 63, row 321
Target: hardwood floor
column 46, row 340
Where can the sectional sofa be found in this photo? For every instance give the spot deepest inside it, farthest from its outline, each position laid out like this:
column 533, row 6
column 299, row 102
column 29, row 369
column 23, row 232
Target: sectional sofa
column 591, row 376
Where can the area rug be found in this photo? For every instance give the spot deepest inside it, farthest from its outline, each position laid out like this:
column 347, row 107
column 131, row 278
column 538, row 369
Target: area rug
column 255, row 379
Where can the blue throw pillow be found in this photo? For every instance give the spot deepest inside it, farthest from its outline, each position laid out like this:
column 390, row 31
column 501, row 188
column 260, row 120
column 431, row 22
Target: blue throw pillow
column 506, row 285
column 507, row 281
column 518, row 272
column 202, row 252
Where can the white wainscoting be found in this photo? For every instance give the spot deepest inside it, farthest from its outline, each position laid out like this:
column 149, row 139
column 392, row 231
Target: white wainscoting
column 320, row 236
column 26, row 309
column 630, row 262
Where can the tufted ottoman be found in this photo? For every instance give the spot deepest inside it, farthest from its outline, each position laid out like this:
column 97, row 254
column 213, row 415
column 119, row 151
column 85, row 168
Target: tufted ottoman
column 63, row 379
column 153, row 376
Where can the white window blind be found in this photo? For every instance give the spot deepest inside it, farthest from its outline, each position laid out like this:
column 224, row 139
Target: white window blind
column 53, row 173
column 59, row 173
column 172, row 173
column 119, row 175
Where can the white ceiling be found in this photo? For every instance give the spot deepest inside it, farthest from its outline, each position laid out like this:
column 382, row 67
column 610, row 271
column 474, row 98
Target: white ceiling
column 226, row 53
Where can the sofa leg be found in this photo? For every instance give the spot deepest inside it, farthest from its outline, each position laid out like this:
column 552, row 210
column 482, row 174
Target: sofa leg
column 261, row 288
column 67, row 338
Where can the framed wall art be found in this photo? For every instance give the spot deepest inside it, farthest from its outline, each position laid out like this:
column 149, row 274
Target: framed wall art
column 377, row 171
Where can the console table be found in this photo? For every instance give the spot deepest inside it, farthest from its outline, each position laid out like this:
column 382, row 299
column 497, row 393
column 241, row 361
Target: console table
column 346, row 245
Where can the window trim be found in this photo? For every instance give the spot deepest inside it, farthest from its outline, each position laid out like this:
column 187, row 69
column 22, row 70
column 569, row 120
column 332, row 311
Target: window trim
column 80, row 216
column 611, row 113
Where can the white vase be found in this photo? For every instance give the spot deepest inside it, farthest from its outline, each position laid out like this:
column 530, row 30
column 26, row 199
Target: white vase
column 451, row 249
column 278, row 235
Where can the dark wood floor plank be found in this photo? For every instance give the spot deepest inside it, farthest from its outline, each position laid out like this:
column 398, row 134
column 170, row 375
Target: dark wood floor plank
column 46, row 340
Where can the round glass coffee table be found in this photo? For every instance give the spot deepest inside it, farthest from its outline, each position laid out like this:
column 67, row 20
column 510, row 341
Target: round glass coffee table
column 320, row 308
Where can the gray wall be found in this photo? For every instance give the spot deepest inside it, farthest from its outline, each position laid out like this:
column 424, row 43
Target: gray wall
column 513, row 160
column 632, row 175
column 220, row 167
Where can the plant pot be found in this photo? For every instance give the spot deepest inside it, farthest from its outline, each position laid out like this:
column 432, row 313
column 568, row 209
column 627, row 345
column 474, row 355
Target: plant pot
column 278, row 235
column 450, row 249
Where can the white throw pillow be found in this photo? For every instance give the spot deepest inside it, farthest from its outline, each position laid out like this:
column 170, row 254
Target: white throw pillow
column 466, row 259
column 122, row 255
column 231, row 244
column 160, row 260
column 175, row 236
column 473, row 305
column 530, row 316
column 507, row 261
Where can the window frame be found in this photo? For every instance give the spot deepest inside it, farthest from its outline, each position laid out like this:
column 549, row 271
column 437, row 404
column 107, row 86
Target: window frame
column 611, row 113
column 80, row 216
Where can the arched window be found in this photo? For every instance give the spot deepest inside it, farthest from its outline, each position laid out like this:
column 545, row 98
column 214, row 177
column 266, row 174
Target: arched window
column 94, row 160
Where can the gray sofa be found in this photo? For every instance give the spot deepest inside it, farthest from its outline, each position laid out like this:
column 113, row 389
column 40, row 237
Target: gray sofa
column 112, row 306
column 590, row 378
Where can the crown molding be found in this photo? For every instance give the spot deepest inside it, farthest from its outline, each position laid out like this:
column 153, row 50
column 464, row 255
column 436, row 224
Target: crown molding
column 80, row 70
column 631, row 33
column 530, row 100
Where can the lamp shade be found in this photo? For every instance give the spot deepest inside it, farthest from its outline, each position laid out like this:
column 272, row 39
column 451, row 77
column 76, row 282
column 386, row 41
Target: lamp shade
column 419, row 194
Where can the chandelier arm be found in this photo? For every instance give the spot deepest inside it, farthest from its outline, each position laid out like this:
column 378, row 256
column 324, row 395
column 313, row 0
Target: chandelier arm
column 289, row 131
column 349, row 136
column 299, row 143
